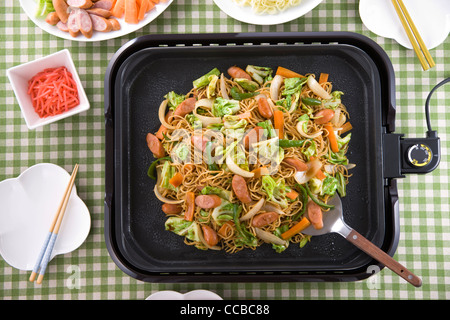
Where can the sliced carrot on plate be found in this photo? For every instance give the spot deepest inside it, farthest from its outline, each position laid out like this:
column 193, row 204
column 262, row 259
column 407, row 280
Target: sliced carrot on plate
column 131, row 12
column 118, row 9
column 142, row 9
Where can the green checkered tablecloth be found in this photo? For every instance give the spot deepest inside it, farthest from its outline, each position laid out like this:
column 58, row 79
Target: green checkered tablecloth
column 424, row 245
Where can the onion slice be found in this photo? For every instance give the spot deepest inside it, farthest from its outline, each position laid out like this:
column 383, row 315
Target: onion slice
column 253, row 210
column 303, row 177
column 275, row 86
column 270, row 237
column 223, row 87
column 236, row 169
column 162, row 115
column 206, row 103
column 164, row 199
column 317, row 88
column 270, row 207
column 329, row 168
column 306, row 135
column 206, row 121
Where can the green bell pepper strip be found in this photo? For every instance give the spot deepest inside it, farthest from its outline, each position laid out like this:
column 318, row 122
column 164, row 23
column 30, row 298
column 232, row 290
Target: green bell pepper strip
column 237, row 95
column 311, row 101
column 317, row 201
column 304, row 195
column 152, row 168
column 285, row 143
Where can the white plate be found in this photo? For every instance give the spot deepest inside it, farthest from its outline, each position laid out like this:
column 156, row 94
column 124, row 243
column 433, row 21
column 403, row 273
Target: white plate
column 29, row 6
column 246, row 14
column 191, row 295
column 431, row 18
column 28, row 205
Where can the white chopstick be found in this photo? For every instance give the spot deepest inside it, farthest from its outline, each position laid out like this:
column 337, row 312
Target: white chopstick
column 47, row 247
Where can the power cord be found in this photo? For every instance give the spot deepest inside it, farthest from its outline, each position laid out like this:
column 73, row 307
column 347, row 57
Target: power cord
column 431, row 133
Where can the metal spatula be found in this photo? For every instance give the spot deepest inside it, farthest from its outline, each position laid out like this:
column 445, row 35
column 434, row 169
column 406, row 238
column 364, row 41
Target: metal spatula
column 333, row 221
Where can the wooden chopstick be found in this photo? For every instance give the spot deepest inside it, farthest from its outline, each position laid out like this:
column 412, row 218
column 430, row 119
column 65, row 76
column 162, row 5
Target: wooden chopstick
column 47, row 247
column 420, row 48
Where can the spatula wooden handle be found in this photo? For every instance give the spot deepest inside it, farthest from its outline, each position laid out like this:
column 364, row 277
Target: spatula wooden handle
column 381, row 256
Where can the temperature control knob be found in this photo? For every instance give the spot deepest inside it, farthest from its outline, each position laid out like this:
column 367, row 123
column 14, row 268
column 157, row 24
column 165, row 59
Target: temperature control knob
column 419, row 155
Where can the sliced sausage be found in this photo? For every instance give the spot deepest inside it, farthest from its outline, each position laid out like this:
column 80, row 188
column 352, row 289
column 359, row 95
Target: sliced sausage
column 115, row 24
column 264, row 108
column 52, row 18
column 236, row 72
column 171, row 208
column 185, row 107
column 84, row 23
column 100, row 24
column 264, row 219
column 100, row 12
column 240, row 189
column 155, row 146
column 103, row 4
column 199, row 141
column 61, row 9
column 210, row 235
column 72, row 24
column 62, row 26
column 298, row 164
column 315, row 215
column 208, row 201
column 324, row 116
column 82, row 4
column 253, row 136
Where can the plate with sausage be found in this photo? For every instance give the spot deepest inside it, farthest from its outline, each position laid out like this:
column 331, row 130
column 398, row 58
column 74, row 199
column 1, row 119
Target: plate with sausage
column 94, row 20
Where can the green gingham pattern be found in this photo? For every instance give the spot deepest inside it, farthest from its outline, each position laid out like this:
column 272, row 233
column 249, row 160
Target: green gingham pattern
column 424, row 245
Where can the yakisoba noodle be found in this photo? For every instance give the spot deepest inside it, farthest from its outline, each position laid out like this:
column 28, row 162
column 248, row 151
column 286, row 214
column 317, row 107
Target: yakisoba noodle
column 250, row 157
column 268, row 6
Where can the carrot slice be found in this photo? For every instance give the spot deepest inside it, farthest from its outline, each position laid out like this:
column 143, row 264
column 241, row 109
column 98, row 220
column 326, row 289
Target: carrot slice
column 131, row 12
column 320, row 175
column 119, row 9
column 331, row 137
column 226, row 228
column 176, row 180
column 142, row 9
column 346, row 127
column 150, row 5
column 190, row 203
column 292, row 195
column 261, row 171
column 298, row 227
column 288, row 73
column 323, row 78
column 278, row 120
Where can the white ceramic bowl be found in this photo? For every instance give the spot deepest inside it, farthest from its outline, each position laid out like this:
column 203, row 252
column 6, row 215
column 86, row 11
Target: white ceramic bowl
column 246, row 14
column 191, row 295
column 28, row 205
column 19, row 76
